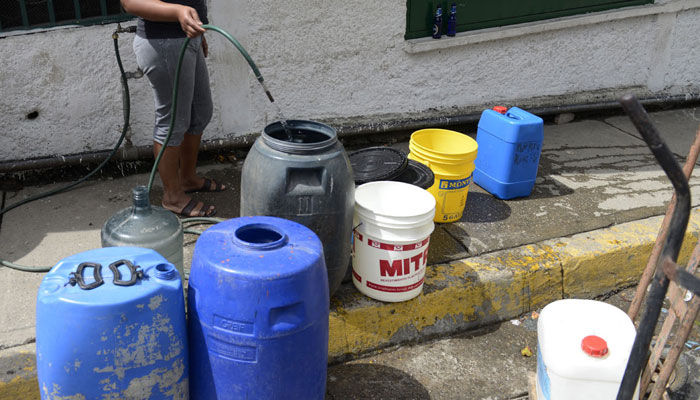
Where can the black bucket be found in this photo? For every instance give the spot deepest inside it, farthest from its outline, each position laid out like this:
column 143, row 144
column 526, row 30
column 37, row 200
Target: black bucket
column 377, row 164
column 417, row 174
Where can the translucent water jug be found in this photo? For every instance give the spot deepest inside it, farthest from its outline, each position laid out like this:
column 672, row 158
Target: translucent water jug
column 147, row 226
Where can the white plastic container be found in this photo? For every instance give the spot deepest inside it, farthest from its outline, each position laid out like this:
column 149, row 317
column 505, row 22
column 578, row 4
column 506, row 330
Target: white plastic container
column 393, row 222
column 582, row 352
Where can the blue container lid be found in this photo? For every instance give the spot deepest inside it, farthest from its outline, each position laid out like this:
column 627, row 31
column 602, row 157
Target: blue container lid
column 515, row 125
column 258, row 248
column 108, row 276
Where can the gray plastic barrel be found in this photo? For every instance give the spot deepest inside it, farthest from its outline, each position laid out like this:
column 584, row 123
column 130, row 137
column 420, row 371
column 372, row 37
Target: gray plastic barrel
column 147, row 226
column 303, row 174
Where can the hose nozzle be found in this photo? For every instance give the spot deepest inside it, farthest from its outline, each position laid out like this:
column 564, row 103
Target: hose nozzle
column 267, row 91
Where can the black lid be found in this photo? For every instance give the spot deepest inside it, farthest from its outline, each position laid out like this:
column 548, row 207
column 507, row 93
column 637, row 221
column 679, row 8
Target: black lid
column 377, row 164
column 417, row 174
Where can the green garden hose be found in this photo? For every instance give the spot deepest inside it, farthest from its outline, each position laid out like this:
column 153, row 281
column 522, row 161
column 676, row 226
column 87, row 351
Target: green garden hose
column 127, row 109
column 176, row 89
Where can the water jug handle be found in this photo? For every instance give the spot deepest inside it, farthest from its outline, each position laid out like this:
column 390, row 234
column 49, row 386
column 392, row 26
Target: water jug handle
column 135, row 273
column 78, row 276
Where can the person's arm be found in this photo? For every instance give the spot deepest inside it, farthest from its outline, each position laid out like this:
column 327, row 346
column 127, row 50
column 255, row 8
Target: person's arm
column 158, row 11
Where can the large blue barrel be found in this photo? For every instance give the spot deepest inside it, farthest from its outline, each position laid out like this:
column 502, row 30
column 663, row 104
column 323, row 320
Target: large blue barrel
column 258, row 311
column 110, row 324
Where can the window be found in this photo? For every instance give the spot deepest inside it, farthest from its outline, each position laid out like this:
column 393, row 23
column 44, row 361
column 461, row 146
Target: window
column 473, row 14
column 28, row 14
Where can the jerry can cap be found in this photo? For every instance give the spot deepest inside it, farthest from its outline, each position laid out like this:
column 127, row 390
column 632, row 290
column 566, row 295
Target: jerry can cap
column 501, row 109
column 594, row 346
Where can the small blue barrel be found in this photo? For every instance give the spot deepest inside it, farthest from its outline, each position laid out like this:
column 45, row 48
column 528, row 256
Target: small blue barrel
column 510, row 144
column 258, row 311
column 110, row 324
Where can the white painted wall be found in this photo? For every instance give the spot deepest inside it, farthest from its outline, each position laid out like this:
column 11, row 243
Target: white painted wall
column 342, row 62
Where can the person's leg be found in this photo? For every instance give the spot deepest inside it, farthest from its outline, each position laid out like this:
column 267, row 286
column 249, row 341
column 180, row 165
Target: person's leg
column 201, row 113
column 188, row 162
column 174, row 197
column 158, row 59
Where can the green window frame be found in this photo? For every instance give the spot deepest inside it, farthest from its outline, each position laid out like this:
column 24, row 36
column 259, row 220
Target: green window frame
column 31, row 14
column 472, row 15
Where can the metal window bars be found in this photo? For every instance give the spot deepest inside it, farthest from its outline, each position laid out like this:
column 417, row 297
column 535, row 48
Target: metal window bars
column 30, row 14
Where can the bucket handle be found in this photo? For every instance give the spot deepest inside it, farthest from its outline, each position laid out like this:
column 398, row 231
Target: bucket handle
column 78, row 276
column 136, row 273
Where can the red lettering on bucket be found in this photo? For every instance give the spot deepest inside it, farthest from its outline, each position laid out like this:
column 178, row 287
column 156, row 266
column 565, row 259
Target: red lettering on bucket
column 394, row 289
column 393, row 268
column 357, row 276
column 416, row 260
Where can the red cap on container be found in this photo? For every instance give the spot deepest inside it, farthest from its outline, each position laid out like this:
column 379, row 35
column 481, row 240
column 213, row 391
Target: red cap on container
column 501, row 109
column 594, row 346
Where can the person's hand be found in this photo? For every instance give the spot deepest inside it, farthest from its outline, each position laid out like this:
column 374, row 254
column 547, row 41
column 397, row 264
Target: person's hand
column 205, row 46
column 189, row 21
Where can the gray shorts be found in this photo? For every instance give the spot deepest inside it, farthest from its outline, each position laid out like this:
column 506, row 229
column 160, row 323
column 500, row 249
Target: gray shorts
column 158, row 58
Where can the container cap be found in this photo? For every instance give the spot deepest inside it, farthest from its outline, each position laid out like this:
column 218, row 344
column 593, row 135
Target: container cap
column 594, row 346
column 417, row 174
column 501, row 109
column 377, row 164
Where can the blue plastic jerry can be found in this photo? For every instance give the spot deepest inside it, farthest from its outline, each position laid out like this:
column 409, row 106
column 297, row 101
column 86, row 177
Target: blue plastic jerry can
column 510, row 143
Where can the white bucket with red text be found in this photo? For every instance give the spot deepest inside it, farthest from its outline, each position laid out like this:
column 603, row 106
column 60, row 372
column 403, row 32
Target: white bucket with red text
column 393, row 222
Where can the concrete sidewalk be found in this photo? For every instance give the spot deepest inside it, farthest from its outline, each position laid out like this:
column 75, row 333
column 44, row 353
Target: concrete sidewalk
column 586, row 230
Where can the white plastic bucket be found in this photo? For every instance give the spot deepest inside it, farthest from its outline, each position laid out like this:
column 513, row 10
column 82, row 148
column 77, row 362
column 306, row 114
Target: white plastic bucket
column 582, row 352
column 393, row 222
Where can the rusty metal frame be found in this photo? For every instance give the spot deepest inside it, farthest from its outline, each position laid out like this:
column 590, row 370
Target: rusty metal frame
column 678, row 223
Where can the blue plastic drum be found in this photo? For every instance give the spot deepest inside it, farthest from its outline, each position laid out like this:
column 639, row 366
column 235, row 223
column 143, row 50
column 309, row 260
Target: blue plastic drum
column 258, row 311
column 110, row 324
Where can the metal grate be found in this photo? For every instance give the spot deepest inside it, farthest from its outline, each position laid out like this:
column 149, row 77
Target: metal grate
column 29, row 14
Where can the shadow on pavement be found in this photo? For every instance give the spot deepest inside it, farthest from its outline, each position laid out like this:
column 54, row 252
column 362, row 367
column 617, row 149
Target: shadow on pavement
column 484, row 207
column 372, row 381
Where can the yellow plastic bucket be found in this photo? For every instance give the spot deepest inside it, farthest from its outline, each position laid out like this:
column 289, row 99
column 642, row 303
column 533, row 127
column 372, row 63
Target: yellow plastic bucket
column 450, row 155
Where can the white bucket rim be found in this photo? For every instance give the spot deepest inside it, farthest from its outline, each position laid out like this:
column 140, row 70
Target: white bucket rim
column 395, row 222
column 366, row 196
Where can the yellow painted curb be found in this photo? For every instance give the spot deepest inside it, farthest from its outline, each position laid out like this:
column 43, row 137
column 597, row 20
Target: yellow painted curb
column 597, row 262
column 457, row 296
column 18, row 380
column 497, row 286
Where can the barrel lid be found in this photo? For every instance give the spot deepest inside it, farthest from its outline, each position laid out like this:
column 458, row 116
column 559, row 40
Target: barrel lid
column 594, row 346
column 377, row 164
column 417, row 174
